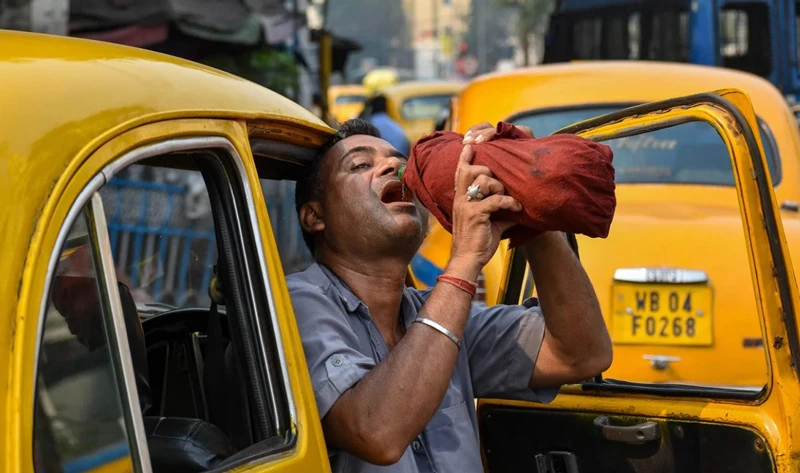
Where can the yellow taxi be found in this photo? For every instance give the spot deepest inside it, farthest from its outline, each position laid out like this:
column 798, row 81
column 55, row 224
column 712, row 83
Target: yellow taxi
column 416, row 105
column 670, row 275
column 147, row 325
column 346, row 101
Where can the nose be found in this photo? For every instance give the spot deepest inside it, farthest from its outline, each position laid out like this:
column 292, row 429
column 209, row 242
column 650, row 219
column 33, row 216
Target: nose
column 389, row 165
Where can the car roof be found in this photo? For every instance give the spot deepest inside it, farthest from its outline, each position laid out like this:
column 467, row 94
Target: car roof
column 498, row 96
column 61, row 94
column 422, row 87
column 62, row 98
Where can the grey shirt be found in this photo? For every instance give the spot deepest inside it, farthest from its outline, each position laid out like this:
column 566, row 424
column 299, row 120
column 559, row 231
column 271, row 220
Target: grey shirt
column 342, row 344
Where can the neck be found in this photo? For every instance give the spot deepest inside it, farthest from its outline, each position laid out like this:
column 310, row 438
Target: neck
column 379, row 284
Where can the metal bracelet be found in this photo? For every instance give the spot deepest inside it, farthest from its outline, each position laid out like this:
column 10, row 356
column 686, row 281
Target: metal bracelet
column 437, row 326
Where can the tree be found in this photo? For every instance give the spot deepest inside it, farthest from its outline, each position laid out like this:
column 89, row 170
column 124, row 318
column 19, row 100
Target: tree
column 532, row 19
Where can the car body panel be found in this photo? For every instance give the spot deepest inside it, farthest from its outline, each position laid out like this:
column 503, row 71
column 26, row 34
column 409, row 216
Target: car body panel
column 399, row 93
column 771, row 413
column 59, row 134
column 348, row 109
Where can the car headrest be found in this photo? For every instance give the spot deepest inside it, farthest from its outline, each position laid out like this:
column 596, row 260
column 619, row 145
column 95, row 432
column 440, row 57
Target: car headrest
column 181, row 445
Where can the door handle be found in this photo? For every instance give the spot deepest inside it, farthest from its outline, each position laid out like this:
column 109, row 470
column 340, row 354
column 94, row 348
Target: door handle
column 632, row 434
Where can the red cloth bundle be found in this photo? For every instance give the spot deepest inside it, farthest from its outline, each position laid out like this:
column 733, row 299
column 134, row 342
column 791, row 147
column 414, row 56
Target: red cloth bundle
column 564, row 182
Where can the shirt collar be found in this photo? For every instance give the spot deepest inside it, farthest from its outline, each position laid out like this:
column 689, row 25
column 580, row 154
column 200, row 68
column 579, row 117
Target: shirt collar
column 353, row 303
column 350, row 300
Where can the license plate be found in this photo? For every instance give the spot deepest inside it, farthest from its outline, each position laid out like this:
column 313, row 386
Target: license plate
column 661, row 314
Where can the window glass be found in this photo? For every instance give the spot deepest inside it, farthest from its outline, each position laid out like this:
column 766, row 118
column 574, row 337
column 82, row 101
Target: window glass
column 672, row 277
column 78, row 419
column 279, row 196
column 162, row 234
column 689, row 154
column 350, row 99
column 745, row 37
column 647, row 32
column 425, row 107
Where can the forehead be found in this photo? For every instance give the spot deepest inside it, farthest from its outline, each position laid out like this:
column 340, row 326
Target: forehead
column 382, row 147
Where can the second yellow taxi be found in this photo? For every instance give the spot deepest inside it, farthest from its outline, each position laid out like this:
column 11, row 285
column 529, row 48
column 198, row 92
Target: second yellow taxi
column 672, row 276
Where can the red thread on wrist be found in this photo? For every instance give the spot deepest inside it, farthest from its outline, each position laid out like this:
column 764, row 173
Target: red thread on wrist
column 467, row 286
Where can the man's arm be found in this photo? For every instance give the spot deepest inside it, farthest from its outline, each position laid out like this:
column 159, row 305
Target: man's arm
column 576, row 344
column 377, row 418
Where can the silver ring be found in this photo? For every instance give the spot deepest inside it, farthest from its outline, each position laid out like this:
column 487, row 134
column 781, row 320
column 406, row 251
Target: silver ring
column 474, row 192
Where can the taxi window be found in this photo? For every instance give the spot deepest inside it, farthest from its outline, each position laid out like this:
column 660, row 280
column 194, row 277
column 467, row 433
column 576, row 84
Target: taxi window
column 174, row 224
column 279, row 197
column 424, row 107
column 342, row 99
column 689, row 154
column 78, row 419
column 162, row 234
column 673, row 278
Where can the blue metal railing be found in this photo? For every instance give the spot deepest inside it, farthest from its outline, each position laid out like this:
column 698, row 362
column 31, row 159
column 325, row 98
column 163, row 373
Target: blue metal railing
column 155, row 247
column 163, row 241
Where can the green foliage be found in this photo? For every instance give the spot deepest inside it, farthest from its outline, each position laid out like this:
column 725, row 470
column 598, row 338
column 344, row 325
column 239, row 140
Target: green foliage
column 271, row 68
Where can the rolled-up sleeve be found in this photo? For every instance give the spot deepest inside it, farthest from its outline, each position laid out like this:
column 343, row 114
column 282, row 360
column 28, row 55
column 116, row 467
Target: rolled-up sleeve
column 502, row 345
column 328, row 341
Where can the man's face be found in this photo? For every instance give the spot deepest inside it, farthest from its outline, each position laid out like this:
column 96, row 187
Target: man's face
column 365, row 207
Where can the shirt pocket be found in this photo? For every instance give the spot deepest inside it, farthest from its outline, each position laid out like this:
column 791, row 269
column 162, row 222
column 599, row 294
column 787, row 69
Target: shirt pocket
column 453, row 440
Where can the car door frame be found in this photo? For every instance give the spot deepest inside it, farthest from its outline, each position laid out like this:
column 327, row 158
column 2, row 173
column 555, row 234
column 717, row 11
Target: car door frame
column 773, row 411
column 79, row 182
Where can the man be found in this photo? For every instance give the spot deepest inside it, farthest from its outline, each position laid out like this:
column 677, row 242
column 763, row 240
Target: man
column 394, row 392
column 389, row 129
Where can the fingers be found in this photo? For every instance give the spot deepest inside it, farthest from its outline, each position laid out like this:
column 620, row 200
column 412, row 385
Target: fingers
column 496, row 202
column 463, row 161
column 466, row 175
column 483, row 132
column 480, row 133
column 489, row 185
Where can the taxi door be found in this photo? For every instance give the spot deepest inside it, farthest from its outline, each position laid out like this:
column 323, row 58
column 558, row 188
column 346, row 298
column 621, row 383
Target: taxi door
column 613, row 425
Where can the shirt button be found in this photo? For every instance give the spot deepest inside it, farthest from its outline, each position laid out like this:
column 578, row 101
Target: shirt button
column 337, row 360
column 416, row 445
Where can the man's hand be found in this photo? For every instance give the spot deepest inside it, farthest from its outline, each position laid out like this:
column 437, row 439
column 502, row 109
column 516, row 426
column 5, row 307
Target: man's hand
column 483, row 132
column 475, row 235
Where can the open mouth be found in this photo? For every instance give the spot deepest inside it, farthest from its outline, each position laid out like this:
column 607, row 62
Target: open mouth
column 395, row 192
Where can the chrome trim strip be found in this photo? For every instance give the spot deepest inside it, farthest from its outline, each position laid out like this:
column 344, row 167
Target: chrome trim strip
column 255, row 228
column 91, row 187
column 660, row 275
column 119, row 339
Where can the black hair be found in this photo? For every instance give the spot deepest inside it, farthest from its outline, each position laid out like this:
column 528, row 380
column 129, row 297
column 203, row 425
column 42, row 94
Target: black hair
column 310, row 186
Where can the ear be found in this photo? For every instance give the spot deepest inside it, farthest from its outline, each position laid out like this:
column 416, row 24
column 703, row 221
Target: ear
column 311, row 217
